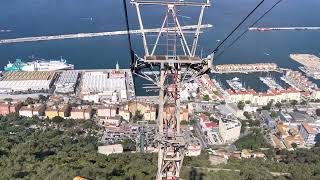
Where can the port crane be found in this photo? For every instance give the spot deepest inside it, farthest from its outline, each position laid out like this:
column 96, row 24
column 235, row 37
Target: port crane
column 175, row 64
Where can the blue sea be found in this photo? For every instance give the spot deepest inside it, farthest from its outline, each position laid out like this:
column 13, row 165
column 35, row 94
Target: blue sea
column 52, row 17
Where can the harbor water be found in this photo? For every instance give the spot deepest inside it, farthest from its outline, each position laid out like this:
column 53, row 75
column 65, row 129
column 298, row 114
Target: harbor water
column 27, row 18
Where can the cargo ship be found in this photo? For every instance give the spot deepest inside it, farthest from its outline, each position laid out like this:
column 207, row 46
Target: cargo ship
column 38, row 65
column 5, row 30
column 264, row 29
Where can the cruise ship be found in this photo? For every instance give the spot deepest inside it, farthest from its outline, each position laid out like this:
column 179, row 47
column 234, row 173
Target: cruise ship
column 39, row 65
column 235, row 84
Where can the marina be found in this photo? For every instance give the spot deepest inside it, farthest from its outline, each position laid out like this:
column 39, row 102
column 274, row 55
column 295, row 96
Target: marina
column 298, row 81
column 271, row 83
column 315, row 74
column 236, row 84
column 310, row 62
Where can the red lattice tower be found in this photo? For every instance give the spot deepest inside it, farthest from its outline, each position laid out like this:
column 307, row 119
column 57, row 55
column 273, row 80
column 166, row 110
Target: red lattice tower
column 173, row 68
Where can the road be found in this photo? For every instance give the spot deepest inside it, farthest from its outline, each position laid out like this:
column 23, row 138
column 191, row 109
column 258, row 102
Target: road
column 237, row 170
column 202, row 139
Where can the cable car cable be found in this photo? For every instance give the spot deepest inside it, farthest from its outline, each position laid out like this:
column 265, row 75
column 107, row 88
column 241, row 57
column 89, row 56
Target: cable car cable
column 253, row 24
column 237, row 27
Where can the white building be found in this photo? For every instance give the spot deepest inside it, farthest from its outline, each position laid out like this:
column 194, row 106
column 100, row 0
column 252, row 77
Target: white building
column 110, row 149
column 193, row 150
column 229, row 130
column 26, row 81
column 315, row 94
column 32, row 110
column 309, row 134
column 208, row 84
column 66, row 82
column 184, row 95
column 263, row 98
column 100, row 85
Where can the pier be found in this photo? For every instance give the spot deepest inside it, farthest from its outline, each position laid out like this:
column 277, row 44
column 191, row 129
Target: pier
column 298, row 81
column 271, row 83
column 246, row 68
column 310, row 62
column 283, row 28
column 90, row 35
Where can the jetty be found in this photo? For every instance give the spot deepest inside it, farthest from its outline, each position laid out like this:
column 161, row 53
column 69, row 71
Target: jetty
column 245, row 68
column 98, row 34
column 262, row 29
column 310, row 62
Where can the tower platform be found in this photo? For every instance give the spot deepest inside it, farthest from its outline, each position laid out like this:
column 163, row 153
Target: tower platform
column 182, row 59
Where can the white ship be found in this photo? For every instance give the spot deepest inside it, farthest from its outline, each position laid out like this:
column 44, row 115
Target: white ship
column 39, row 65
column 270, row 82
column 235, row 84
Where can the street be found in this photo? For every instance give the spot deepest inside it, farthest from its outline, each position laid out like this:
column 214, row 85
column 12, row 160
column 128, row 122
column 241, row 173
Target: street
column 202, row 139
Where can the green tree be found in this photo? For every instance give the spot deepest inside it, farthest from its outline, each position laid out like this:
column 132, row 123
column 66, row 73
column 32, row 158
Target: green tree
column 206, row 97
column 212, row 119
column 274, row 114
column 254, row 140
column 241, row 105
column 294, row 145
column 303, row 102
column 247, row 115
column 30, row 100
column 278, row 105
column 184, row 122
column 294, row 102
column 8, row 99
column 128, row 145
column 268, row 106
column 193, row 121
column 57, row 119
column 42, row 98
column 318, row 112
column 137, row 117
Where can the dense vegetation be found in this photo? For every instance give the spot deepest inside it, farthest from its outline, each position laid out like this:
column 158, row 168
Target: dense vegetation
column 253, row 140
column 55, row 149
column 302, row 164
column 31, row 148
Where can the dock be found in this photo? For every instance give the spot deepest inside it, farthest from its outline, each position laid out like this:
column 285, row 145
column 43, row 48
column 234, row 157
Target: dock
column 91, row 35
column 310, row 62
column 271, row 83
column 298, row 81
column 282, row 28
column 246, row 68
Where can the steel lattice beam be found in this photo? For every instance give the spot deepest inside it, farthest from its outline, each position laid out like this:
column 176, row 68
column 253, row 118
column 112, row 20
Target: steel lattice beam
column 172, row 145
column 177, row 3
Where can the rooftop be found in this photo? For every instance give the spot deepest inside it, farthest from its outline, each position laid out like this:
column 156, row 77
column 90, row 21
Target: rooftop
column 211, row 124
column 309, row 129
column 23, row 75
